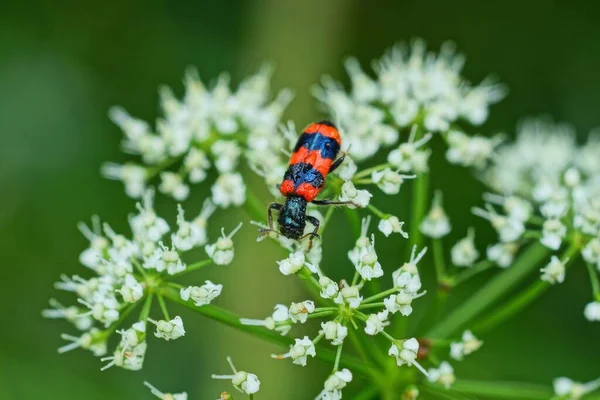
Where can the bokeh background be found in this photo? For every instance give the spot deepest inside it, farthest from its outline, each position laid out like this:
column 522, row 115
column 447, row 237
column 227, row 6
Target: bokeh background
column 63, row 63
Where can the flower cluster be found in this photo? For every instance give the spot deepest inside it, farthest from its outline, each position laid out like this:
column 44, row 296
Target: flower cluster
column 244, row 382
column 129, row 272
column 412, row 86
column 345, row 307
column 547, row 187
column 207, row 128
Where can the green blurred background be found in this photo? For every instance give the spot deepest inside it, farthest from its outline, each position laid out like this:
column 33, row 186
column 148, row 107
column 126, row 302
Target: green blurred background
column 63, row 63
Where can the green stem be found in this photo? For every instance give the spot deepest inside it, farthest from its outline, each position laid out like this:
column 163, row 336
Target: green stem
column 521, row 300
column 338, row 355
column 438, row 257
column 481, row 266
column 419, row 204
column 163, row 307
column 194, row 267
column 146, row 309
column 228, row 318
column 594, row 281
column 371, row 305
column 378, row 213
column 380, row 295
column 490, row 293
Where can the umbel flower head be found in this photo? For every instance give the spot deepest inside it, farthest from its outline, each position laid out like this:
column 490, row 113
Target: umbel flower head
column 128, row 272
column 411, row 85
column 204, row 130
column 547, row 188
column 344, row 307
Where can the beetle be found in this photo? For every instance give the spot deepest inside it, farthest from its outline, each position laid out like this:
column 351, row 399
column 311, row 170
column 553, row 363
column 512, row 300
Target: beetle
column 313, row 158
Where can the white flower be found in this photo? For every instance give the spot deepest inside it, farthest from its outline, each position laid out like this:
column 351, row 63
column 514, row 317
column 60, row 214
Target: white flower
column 169, row 330
column 279, row 320
column 226, row 154
column 509, row 229
column 405, row 352
column 133, row 177
column 93, row 256
column 299, row 351
column 292, row 264
column 401, row 302
column 591, row 252
column 554, row 272
column 349, row 295
column 167, row 259
column 222, row 251
column 243, row 381
column 367, row 265
column 408, row 157
column 592, row 311
column 334, row 384
column 201, row 221
column 229, row 189
column 436, row 223
column 502, row 253
column 172, row 184
column 553, row 231
column 103, row 307
column 469, row 151
column 348, row 168
column 131, row 351
column 515, row 207
column 567, row 389
column 359, row 198
column 392, row 224
column 466, row 346
column 334, row 331
column 166, row 396
column 147, row 225
column 189, row 235
column 444, row 375
column 131, row 290
column 93, row 340
column 376, row 322
column 464, row 253
column 364, row 89
column 389, row 181
column 329, row 288
column 71, row 314
column 201, row 295
column 298, row 312
column 406, row 278
column 196, row 163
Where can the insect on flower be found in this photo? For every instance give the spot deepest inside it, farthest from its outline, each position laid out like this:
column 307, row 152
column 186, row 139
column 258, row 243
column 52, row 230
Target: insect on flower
column 314, row 157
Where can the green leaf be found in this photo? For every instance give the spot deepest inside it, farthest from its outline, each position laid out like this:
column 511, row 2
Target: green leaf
column 527, row 262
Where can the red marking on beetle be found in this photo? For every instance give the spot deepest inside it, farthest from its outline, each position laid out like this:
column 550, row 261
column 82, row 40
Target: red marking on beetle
column 307, row 191
column 287, row 187
column 325, row 130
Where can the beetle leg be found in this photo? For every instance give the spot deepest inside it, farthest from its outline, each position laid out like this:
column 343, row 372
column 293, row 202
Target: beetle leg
column 316, row 223
column 272, row 206
column 326, row 202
